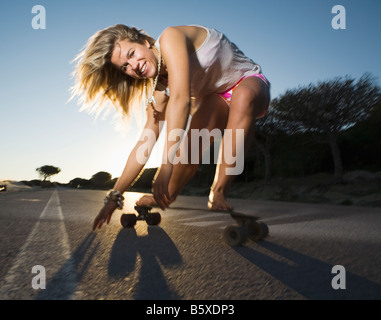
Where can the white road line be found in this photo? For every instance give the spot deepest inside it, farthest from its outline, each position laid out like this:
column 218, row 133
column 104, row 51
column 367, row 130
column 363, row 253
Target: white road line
column 47, row 245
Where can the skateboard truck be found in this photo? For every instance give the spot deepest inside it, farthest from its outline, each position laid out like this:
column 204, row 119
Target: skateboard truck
column 128, row 220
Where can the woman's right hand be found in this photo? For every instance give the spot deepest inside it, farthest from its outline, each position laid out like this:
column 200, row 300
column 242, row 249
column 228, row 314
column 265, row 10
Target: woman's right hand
column 104, row 215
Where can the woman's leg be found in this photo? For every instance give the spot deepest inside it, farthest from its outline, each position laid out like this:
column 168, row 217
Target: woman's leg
column 212, row 113
column 249, row 100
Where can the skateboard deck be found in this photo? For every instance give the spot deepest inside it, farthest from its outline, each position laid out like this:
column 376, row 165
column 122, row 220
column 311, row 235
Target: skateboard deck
column 246, row 227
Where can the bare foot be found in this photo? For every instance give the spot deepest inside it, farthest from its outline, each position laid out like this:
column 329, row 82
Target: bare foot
column 217, row 202
column 146, row 201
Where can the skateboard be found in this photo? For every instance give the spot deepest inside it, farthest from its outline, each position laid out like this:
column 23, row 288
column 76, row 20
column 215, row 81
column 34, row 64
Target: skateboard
column 128, row 220
column 248, row 227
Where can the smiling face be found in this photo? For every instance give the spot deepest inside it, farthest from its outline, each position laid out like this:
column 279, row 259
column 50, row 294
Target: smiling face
column 136, row 60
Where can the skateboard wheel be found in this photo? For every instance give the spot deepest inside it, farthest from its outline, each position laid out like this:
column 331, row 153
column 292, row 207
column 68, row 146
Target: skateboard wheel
column 128, row 220
column 235, row 235
column 258, row 231
column 153, row 218
column 264, row 229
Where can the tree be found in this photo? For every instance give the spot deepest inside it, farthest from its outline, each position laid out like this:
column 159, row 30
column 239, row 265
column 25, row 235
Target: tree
column 266, row 128
column 361, row 144
column 48, row 171
column 79, row 183
column 101, row 179
column 328, row 108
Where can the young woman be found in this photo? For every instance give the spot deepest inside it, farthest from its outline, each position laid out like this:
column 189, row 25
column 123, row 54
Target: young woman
column 186, row 63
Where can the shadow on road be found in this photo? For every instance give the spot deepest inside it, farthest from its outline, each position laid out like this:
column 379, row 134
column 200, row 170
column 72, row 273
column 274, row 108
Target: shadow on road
column 308, row 276
column 63, row 285
column 130, row 252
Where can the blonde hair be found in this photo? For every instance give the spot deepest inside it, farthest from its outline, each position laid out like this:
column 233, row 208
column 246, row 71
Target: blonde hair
column 98, row 81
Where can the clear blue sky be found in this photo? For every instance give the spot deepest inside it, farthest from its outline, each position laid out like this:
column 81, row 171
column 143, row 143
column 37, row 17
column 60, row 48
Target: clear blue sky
column 292, row 40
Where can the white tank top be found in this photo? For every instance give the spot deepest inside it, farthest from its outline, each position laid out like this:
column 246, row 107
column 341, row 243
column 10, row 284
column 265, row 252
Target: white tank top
column 217, row 65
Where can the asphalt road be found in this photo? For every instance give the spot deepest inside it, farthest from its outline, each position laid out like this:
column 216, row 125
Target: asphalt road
column 185, row 257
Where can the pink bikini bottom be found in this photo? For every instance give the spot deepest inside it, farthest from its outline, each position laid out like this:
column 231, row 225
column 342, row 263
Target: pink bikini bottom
column 227, row 95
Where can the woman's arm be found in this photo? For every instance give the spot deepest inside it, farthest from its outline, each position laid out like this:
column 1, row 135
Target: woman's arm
column 135, row 161
column 175, row 53
column 174, row 47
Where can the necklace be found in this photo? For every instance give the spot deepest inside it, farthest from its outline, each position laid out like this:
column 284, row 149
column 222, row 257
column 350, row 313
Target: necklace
column 151, row 100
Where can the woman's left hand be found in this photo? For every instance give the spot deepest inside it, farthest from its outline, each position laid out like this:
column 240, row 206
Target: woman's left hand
column 160, row 186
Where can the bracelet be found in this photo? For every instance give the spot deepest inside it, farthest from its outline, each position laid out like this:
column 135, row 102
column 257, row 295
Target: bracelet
column 115, row 196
